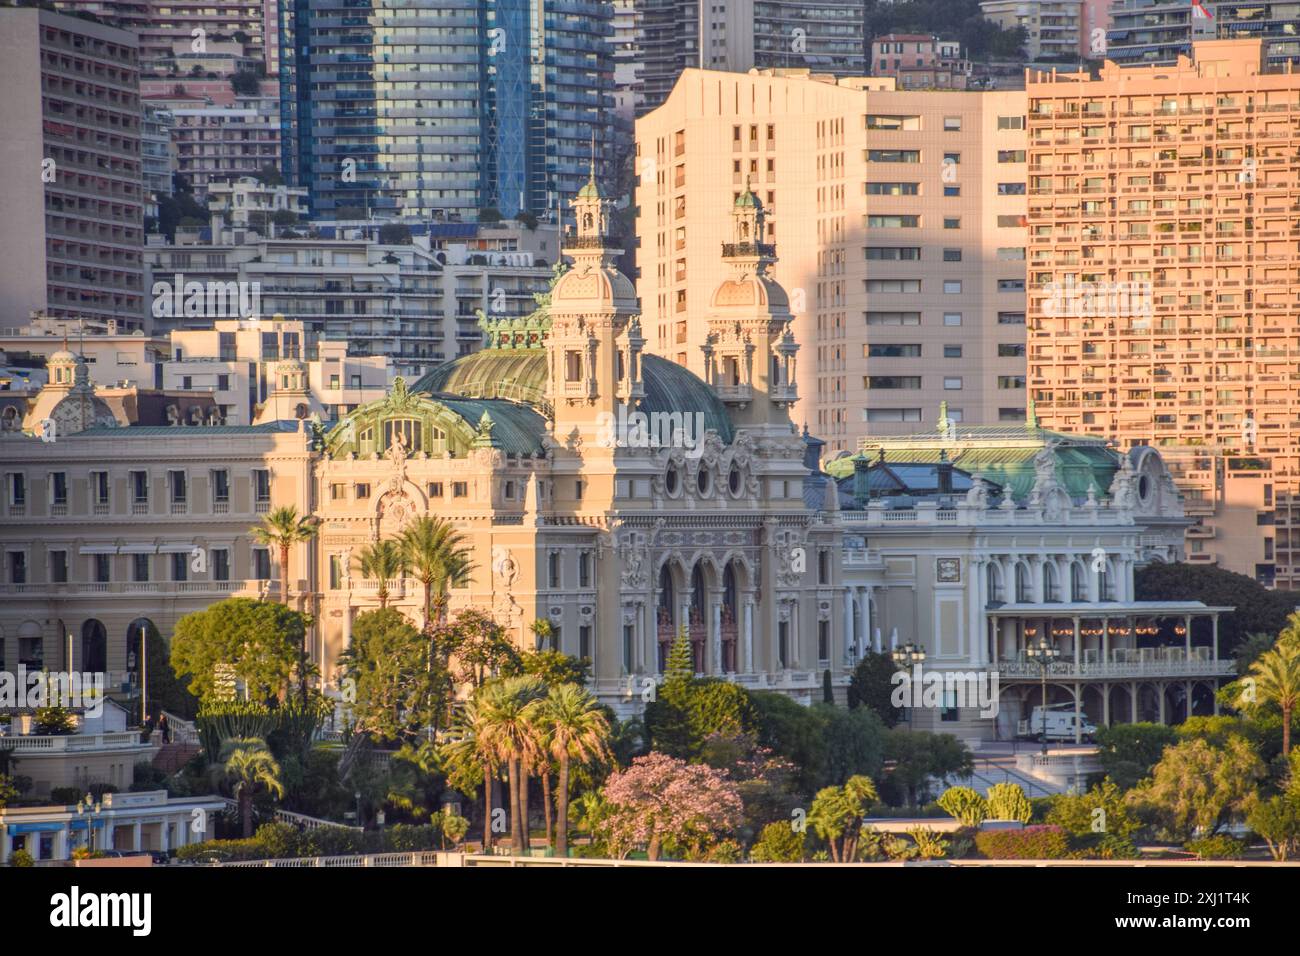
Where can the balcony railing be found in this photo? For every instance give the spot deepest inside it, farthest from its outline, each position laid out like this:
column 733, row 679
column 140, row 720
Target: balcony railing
column 1125, row 662
column 70, row 743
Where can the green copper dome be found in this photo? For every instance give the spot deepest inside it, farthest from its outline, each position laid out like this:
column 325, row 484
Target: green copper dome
column 521, row 375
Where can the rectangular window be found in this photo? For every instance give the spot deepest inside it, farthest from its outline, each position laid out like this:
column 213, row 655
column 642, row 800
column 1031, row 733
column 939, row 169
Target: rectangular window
column 1011, row 381
column 553, row 569
column 894, row 122
column 221, row 487
column 952, row 384
column 1011, row 222
column 99, row 488
column 459, row 489
column 952, row 351
column 336, row 571
column 140, row 567
column 261, row 486
column 952, row 191
column 1011, row 189
column 573, row 366
column 1011, row 350
column 783, row 643
column 893, row 155
column 895, row 286
column 893, row 253
column 1011, row 285
column 952, row 255
column 139, row 481
column 952, row 124
column 952, row 222
column 361, row 491
column 584, row 569
column 219, row 561
column 893, row 222
column 180, row 565
column 584, row 641
column 1011, row 254
column 1011, row 318
column 891, row 381
column 893, row 318
column 1011, row 156
column 101, row 567
column 891, row 351
column 58, row 567
column 629, row 646
column 1011, row 122
column 338, row 491
column 178, row 488
column 952, row 159
column 434, row 489
column 952, row 318
column 952, row 287
column 17, row 567
column 1011, row 414
column 261, row 564
column 823, row 641
column 893, row 189
column 891, row 415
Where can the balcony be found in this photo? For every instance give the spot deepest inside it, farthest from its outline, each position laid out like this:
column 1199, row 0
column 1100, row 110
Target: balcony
column 1136, row 662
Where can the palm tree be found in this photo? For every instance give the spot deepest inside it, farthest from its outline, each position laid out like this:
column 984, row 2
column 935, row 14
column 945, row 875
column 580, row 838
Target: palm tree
column 248, row 764
column 1276, row 676
column 468, row 749
column 381, row 562
column 435, row 554
column 283, row 528
column 509, row 735
column 570, row 726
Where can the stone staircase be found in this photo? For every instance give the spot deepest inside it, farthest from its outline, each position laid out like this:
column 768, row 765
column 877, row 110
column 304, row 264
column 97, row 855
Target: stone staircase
column 172, row 757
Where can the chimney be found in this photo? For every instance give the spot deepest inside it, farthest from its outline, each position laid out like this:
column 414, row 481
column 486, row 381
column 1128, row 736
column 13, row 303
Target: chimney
column 944, row 472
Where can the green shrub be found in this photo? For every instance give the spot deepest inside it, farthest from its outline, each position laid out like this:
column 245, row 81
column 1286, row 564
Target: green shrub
column 964, row 804
column 1031, row 843
column 1113, row 847
column 1007, row 801
column 408, row 838
column 1221, row 847
column 66, row 796
column 929, row 845
column 281, row 841
column 778, row 842
column 21, row 858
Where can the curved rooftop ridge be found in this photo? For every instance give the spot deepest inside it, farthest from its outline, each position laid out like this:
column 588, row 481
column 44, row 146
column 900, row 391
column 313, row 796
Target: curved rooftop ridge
column 522, row 376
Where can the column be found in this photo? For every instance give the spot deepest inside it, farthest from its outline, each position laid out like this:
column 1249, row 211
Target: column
column 1189, row 698
column 1078, row 709
column 715, row 630
column 1214, row 631
column 850, row 639
column 165, row 835
column 997, row 635
column 61, row 845
column 1078, row 651
column 1133, row 702
column 1160, row 687
column 1105, row 640
column 1105, row 704
column 1187, row 638
column 749, row 634
column 135, row 836
column 32, row 844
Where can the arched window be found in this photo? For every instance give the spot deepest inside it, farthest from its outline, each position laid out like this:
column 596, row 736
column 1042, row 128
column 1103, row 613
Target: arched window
column 94, row 647
column 1051, row 592
column 1078, row 583
column 1024, row 590
column 133, row 646
column 994, row 581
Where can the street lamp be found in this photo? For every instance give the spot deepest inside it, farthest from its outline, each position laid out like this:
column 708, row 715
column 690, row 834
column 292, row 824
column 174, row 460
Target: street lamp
column 88, row 808
column 1044, row 653
column 906, row 657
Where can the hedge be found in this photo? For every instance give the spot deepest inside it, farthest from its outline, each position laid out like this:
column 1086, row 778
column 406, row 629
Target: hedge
column 1032, row 843
column 282, row 841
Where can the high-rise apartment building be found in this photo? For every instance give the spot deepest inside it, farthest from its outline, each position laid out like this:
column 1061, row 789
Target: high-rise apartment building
column 74, row 185
column 1159, row 31
column 1053, row 28
column 1163, row 213
column 439, row 109
column 738, row 35
column 899, row 225
column 919, row 61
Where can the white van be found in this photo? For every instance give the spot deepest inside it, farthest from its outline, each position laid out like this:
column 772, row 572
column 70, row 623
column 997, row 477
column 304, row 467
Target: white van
column 1060, row 724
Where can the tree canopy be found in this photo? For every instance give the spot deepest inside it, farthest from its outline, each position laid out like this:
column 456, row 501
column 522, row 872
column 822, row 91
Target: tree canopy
column 254, row 642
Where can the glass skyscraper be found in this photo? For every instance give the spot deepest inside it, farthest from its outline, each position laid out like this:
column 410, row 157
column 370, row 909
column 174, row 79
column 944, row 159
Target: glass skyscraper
column 440, row 109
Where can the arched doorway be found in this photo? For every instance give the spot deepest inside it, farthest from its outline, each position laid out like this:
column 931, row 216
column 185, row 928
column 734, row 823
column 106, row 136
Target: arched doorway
column 730, row 615
column 94, row 647
column 699, row 631
column 664, row 615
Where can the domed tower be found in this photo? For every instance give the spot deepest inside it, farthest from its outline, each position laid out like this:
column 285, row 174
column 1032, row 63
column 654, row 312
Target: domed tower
column 749, row 352
column 595, row 341
column 290, row 398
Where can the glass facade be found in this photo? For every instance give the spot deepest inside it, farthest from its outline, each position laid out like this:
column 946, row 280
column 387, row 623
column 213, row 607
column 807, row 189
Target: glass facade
column 438, row 109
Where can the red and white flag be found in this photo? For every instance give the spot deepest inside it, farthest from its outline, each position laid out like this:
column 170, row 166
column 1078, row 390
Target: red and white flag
column 1200, row 10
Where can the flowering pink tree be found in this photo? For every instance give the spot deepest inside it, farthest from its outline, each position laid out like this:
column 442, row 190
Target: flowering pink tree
column 661, row 801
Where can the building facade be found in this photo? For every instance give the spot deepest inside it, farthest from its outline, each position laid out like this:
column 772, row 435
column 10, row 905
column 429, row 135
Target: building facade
column 919, row 62
column 1055, row 30
column 1162, row 273
column 901, row 220
column 1159, row 31
column 73, row 118
column 824, row 36
column 440, row 109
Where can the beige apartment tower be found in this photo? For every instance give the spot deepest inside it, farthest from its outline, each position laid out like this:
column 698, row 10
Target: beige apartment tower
column 1164, row 212
column 898, row 225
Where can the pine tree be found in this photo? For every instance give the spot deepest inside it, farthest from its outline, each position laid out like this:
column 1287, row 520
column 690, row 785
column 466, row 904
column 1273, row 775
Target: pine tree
column 681, row 661
column 828, row 691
